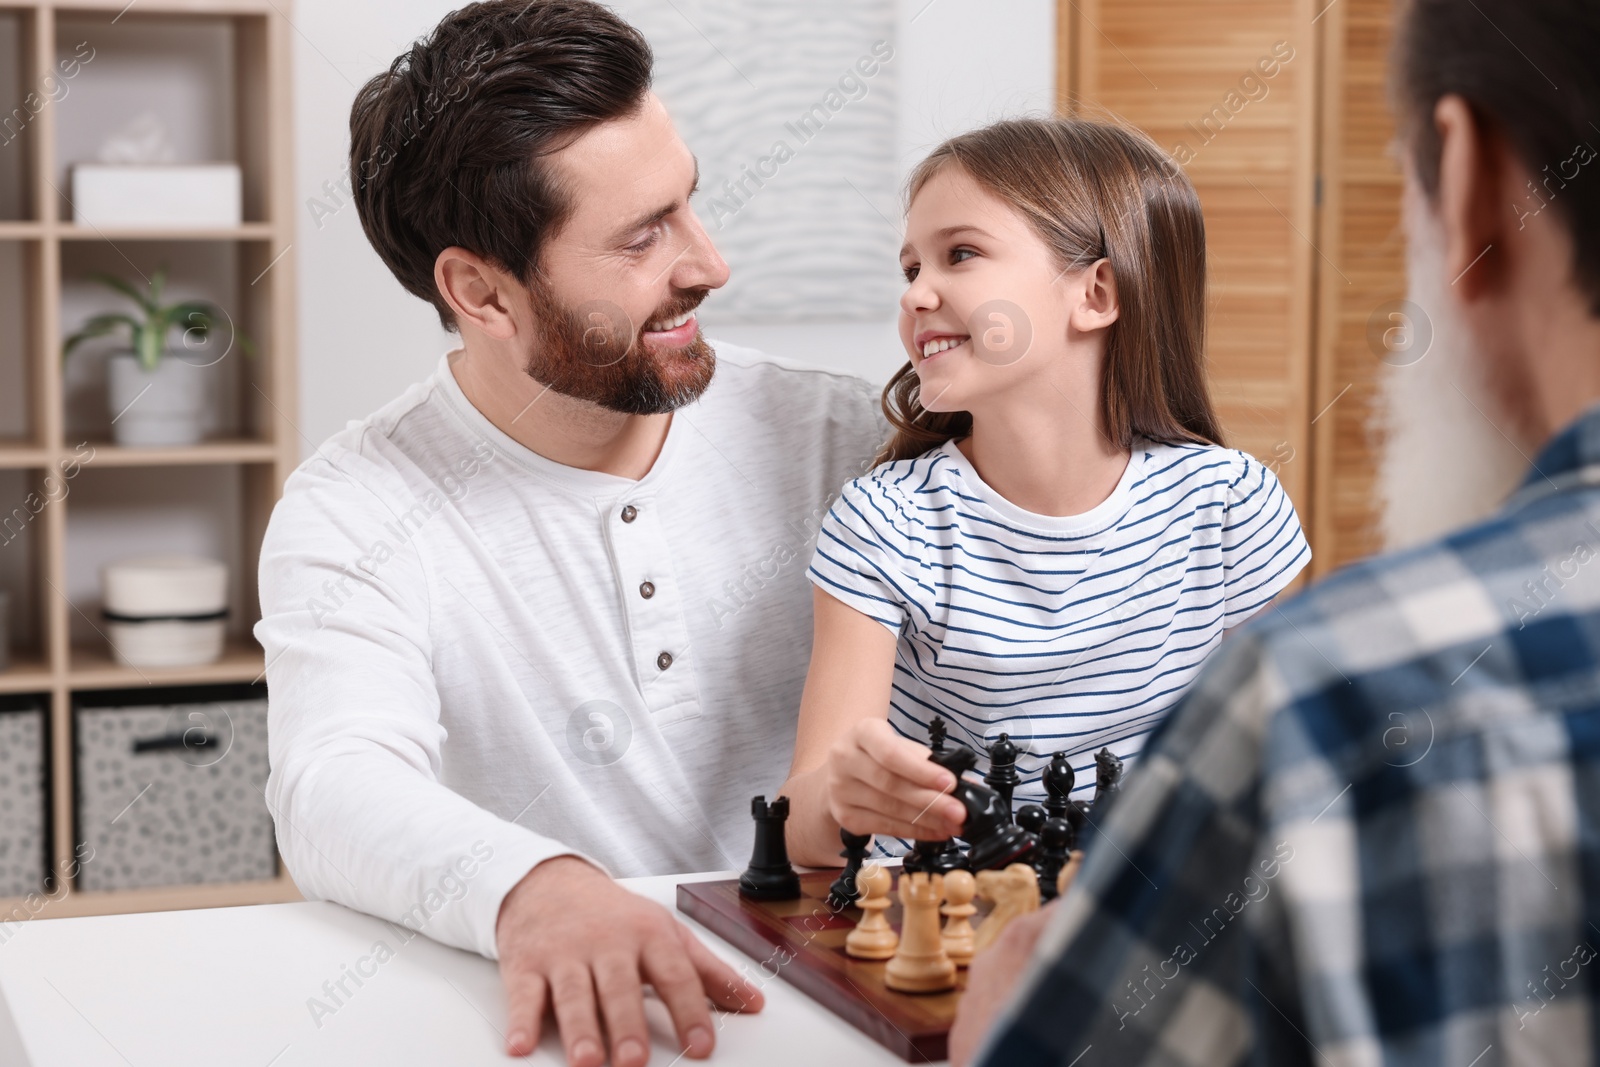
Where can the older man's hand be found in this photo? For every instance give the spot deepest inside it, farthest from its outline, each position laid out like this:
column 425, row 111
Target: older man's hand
column 573, row 940
column 991, row 979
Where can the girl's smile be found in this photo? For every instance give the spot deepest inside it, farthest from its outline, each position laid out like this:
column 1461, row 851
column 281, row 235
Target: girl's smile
column 932, row 343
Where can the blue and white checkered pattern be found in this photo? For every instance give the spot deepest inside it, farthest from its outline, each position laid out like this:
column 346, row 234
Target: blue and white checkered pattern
column 1370, row 833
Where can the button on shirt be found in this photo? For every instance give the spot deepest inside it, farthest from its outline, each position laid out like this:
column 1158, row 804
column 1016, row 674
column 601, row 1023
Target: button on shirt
column 479, row 659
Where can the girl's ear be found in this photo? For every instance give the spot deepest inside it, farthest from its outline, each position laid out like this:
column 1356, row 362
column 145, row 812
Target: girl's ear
column 1097, row 308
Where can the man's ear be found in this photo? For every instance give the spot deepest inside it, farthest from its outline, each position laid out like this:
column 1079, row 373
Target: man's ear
column 1099, row 307
column 1469, row 194
column 475, row 291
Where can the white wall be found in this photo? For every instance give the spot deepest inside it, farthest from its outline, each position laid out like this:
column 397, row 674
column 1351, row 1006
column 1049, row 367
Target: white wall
column 363, row 339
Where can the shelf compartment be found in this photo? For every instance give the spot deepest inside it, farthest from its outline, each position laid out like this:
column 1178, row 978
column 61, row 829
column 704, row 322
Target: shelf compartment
column 193, row 67
column 23, row 403
column 26, row 499
column 116, row 513
column 216, row 271
column 24, row 98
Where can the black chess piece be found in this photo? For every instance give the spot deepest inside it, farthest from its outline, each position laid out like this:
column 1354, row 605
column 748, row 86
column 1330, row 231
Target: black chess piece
column 941, row 856
column 769, row 876
column 1059, row 781
column 843, row 892
column 1107, row 774
column 1077, row 815
column 946, row 857
column 995, row 840
column 1031, row 818
column 1002, row 776
column 1055, row 846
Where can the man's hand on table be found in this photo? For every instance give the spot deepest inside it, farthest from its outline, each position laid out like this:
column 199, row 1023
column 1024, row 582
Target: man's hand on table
column 571, row 938
column 991, row 979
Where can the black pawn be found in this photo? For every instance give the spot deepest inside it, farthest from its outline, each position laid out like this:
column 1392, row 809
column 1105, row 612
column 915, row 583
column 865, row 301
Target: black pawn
column 1077, row 815
column 1055, row 846
column 1059, row 780
column 843, row 892
column 1002, row 776
column 1031, row 818
column 937, row 733
column 1107, row 774
column 769, row 876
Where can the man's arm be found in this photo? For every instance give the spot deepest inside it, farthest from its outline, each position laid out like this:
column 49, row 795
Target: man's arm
column 354, row 728
column 363, row 819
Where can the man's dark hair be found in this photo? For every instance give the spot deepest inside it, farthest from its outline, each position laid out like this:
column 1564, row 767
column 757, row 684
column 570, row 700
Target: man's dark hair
column 1528, row 68
column 450, row 145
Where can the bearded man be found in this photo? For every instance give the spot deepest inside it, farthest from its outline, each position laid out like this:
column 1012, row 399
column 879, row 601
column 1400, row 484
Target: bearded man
column 1370, row 834
column 543, row 621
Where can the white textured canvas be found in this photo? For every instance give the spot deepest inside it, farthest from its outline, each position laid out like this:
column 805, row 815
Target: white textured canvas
column 790, row 108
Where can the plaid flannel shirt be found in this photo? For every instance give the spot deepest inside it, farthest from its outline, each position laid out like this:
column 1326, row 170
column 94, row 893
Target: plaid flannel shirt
column 1370, row 833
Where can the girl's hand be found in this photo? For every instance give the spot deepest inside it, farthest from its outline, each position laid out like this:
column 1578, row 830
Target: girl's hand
column 882, row 783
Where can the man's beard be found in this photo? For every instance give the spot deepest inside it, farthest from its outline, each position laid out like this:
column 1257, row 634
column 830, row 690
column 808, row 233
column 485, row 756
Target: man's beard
column 593, row 352
column 1447, row 460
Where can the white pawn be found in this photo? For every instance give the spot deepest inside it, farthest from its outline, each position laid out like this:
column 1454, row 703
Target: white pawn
column 873, row 938
column 958, row 937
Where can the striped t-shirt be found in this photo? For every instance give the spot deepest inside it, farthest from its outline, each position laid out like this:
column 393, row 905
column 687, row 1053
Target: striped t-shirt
column 1069, row 633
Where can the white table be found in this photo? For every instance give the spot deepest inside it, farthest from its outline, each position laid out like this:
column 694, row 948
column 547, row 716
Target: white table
column 231, row 987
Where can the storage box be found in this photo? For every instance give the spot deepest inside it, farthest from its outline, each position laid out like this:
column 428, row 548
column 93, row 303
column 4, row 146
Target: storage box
column 172, row 794
column 24, row 853
column 197, row 195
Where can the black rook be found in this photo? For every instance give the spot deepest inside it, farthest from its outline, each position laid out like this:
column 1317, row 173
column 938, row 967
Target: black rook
column 769, row 876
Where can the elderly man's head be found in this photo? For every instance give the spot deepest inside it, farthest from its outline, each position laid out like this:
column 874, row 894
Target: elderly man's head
column 1502, row 217
column 515, row 170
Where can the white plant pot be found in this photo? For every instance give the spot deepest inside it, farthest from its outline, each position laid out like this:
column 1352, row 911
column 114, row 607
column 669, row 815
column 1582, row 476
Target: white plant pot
column 166, row 406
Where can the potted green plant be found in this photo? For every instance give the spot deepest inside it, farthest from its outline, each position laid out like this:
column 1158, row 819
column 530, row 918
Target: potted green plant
column 156, row 396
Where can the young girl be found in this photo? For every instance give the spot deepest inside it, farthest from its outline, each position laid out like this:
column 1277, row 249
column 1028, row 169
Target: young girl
column 1054, row 538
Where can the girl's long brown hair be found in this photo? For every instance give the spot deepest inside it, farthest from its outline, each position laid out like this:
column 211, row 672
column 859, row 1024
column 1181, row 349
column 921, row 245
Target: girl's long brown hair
column 1093, row 190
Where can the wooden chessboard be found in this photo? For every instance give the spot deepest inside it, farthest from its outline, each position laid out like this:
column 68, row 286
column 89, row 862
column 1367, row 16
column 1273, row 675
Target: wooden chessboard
column 803, row 942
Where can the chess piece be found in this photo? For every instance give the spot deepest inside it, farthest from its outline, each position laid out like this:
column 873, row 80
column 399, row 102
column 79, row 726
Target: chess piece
column 1107, row 774
column 1002, row 776
column 958, row 910
column 942, row 856
column 1077, row 815
column 843, row 892
column 920, row 966
column 1031, row 818
column 1015, row 891
column 1059, row 781
column 995, row 840
column 769, row 876
column 1069, row 872
column 1055, row 843
column 873, row 938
